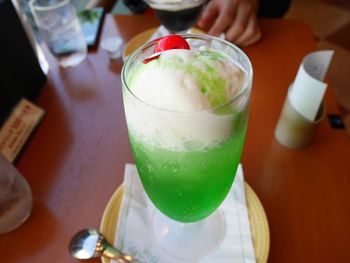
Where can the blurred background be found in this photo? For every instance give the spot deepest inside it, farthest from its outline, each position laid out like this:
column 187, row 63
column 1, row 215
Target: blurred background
column 329, row 21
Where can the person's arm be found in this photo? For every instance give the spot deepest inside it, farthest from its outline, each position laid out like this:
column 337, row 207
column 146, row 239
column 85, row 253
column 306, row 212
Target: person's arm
column 236, row 18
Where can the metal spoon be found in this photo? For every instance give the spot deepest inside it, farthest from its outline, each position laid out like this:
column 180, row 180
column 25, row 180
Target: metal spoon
column 89, row 243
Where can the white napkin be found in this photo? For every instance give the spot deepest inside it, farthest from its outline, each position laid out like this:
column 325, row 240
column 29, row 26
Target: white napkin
column 308, row 89
column 160, row 32
column 134, row 225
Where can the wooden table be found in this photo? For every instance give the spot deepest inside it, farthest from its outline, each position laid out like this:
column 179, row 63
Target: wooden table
column 76, row 158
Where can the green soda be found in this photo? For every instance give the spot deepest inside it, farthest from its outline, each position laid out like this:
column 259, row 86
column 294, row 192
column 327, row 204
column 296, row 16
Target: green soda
column 188, row 185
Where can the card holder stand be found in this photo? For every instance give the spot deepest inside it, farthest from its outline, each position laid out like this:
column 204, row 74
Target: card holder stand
column 293, row 130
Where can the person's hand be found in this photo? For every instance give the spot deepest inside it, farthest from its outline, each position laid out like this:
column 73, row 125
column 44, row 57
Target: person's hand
column 236, row 18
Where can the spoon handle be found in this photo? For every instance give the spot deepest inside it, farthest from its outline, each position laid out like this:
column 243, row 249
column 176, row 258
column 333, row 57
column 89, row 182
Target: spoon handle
column 114, row 253
column 111, row 252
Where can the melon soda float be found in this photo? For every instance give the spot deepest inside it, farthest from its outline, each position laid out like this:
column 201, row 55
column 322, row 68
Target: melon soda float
column 186, row 105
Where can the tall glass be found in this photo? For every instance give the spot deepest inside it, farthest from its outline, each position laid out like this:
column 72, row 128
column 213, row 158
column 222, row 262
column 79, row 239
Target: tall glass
column 187, row 161
column 177, row 16
column 59, row 26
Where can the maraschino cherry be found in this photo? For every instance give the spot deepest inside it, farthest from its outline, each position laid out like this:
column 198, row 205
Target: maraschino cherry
column 166, row 43
column 171, row 42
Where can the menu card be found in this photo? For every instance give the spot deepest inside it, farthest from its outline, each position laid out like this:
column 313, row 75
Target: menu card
column 18, row 127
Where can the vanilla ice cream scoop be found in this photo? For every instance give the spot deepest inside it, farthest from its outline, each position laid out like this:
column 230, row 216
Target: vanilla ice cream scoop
column 186, row 80
column 182, row 86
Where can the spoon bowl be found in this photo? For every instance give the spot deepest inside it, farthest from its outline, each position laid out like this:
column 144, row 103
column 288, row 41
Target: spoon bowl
column 89, row 243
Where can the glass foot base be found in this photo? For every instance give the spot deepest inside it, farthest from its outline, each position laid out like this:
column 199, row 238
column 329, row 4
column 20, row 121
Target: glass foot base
column 188, row 241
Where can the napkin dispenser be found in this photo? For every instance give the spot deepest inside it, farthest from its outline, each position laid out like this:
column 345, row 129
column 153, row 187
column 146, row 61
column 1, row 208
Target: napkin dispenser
column 20, row 72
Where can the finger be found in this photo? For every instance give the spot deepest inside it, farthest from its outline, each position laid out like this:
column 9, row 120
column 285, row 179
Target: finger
column 208, row 17
column 252, row 40
column 222, row 22
column 240, row 23
column 251, row 35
